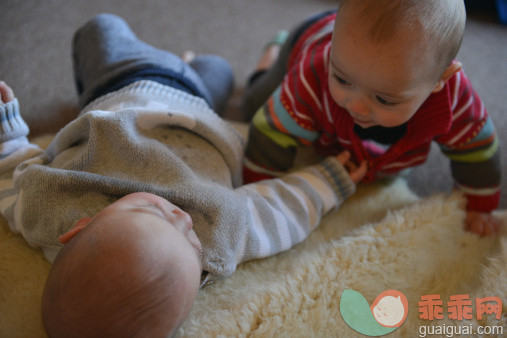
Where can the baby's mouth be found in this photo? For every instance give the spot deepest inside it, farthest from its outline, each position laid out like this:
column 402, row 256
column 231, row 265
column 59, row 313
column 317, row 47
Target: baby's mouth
column 362, row 123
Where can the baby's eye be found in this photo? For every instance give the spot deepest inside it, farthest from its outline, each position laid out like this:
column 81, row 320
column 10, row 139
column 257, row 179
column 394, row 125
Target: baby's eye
column 385, row 102
column 340, row 80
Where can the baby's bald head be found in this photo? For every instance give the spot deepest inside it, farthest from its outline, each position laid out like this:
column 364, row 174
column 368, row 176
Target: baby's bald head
column 125, row 274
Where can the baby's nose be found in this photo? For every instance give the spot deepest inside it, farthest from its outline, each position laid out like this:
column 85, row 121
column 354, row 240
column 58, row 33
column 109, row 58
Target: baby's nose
column 358, row 106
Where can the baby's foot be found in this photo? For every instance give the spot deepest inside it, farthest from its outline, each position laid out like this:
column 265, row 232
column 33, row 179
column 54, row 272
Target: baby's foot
column 269, row 56
column 272, row 50
column 188, row 56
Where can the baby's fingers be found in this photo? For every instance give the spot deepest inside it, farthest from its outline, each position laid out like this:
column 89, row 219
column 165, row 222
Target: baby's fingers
column 491, row 229
column 494, row 226
column 358, row 174
column 6, row 93
column 343, row 157
column 482, row 224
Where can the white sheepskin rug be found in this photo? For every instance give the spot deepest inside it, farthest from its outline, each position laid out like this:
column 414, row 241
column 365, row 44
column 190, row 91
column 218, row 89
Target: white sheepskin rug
column 384, row 237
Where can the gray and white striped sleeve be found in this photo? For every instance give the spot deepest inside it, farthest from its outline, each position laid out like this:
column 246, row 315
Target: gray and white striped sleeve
column 14, row 149
column 283, row 211
column 13, row 132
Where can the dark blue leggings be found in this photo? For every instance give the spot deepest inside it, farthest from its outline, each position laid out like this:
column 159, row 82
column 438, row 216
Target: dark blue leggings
column 107, row 56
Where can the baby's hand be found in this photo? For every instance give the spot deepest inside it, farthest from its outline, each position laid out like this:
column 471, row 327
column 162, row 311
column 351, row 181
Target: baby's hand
column 356, row 173
column 482, row 223
column 6, row 93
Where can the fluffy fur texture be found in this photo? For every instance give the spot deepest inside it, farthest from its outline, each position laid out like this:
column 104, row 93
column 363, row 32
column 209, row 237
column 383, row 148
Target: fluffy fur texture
column 384, row 237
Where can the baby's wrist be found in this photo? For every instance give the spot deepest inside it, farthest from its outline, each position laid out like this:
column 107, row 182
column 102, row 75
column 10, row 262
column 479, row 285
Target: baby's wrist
column 338, row 177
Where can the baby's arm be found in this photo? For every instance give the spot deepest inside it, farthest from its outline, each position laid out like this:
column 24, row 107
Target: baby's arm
column 283, row 212
column 13, row 130
column 272, row 141
column 473, row 148
column 14, row 146
column 296, row 114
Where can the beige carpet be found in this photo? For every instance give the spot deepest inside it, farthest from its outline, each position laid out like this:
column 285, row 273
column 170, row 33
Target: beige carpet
column 384, row 237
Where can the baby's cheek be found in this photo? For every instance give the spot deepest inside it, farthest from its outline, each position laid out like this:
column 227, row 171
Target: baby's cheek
column 337, row 94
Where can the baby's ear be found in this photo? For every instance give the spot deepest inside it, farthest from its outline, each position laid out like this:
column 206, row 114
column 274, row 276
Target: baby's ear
column 453, row 68
column 80, row 225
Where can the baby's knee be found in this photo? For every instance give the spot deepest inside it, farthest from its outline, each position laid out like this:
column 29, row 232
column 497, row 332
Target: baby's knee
column 101, row 22
column 94, row 28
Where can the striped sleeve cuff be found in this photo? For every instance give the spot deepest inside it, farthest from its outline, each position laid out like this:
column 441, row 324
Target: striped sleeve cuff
column 483, row 203
column 12, row 124
column 338, row 177
column 481, row 199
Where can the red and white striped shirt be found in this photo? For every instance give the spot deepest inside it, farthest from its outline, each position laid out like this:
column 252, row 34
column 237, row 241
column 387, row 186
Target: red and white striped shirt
column 302, row 111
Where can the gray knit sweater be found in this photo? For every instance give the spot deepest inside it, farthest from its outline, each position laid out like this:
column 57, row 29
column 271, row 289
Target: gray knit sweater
column 152, row 138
